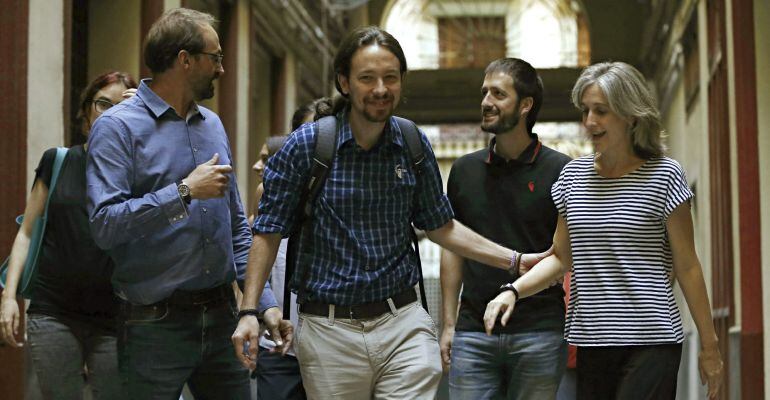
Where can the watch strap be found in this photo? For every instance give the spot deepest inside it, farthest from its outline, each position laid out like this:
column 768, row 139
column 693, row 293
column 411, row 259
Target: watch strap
column 509, row 286
column 249, row 311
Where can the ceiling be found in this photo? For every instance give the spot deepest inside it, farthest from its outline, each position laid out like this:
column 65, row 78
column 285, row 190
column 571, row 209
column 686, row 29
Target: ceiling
column 446, row 96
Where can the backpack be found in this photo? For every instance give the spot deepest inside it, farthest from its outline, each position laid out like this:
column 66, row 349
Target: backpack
column 323, row 159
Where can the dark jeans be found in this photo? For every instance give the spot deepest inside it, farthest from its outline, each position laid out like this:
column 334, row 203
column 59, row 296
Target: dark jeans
column 628, row 372
column 278, row 377
column 164, row 345
column 61, row 347
column 526, row 365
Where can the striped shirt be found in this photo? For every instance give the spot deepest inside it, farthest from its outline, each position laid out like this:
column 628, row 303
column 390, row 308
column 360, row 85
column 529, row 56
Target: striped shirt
column 621, row 288
column 361, row 245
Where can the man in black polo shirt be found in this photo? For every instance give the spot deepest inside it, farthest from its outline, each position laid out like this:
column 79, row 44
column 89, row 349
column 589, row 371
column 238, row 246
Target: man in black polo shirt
column 504, row 193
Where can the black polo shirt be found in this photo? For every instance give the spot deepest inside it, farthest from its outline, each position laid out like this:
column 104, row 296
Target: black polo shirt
column 508, row 202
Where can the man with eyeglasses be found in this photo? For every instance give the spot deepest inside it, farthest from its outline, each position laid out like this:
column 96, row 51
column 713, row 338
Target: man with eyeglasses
column 163, row 202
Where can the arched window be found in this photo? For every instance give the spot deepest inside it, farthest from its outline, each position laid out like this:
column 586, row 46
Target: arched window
column 463, row 34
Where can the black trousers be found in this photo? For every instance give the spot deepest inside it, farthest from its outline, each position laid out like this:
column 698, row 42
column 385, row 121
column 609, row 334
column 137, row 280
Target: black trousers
column 278, row 377
column 628, row 372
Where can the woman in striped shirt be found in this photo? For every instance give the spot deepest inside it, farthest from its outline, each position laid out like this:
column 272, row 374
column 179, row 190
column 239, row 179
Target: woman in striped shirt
column 625, row 228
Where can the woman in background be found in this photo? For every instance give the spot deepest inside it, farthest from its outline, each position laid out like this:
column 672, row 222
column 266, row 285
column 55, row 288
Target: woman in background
column 71, row 316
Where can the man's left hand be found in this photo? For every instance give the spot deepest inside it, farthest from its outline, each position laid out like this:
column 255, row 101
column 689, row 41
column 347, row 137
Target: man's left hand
column 280, row 330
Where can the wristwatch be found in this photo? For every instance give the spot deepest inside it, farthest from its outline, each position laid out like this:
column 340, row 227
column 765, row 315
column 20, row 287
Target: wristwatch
column 184, row 191
column 509, row 286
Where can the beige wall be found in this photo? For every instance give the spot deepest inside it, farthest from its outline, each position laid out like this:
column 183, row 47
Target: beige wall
column 687, row 138
column 733, row 164
column 260, row 112
column 114, row 37
column 687, row 144
column 761, row 35
column 241, row 70
column 170, row 4
column 45, row 92
column 290, row 86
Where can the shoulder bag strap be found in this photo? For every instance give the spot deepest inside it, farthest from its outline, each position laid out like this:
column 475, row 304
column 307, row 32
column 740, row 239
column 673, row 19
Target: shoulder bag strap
column 61, row 152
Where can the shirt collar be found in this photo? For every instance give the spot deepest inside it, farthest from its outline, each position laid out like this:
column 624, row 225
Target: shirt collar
column 528, row 156
column 391, row 132
column 157, row 105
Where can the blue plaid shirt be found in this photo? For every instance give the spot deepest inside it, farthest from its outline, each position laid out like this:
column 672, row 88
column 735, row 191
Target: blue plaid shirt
column 361, row 245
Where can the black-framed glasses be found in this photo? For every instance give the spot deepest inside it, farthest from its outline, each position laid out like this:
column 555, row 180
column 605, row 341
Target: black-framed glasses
column 102, row 105
column 217, row 58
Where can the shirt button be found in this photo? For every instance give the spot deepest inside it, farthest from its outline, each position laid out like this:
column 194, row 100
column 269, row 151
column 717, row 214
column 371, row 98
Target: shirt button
column 204, row 209
column 207, row 271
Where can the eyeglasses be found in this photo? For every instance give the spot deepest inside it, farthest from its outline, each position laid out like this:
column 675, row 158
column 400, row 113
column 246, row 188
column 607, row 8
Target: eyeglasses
column 217, row 58
column 102, row 105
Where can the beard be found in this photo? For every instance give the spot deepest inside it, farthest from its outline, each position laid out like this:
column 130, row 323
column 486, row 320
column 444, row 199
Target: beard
column 380, row 115
column 205, row 89
column 504, row 123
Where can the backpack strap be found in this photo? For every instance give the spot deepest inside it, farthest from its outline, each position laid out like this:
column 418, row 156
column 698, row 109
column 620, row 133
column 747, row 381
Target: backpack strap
column 413, row 141
column 323, row 157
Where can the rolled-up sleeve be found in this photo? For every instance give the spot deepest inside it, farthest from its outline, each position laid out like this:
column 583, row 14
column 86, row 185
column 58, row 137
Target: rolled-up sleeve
column 267, row 300
column 116, row 217
column 284, row 180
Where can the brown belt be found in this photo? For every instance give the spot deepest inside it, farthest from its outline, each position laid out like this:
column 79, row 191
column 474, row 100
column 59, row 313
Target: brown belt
column 360, row 311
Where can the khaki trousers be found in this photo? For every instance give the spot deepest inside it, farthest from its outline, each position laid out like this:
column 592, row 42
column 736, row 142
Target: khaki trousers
column 393, row 356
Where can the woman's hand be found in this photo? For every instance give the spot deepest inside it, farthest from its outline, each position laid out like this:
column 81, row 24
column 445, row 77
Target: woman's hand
column 504, row 302
column 128, row 93
column 711, row 369
column 9, row 321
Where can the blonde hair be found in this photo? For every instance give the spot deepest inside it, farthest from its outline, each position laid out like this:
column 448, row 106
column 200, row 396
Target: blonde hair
column 630, row 98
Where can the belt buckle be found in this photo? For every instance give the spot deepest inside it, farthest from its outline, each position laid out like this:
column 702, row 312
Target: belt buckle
column 200, row 300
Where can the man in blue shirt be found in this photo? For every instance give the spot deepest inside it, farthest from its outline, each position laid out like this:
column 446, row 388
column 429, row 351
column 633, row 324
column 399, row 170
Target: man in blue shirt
column 361, row 332
column 163, row 201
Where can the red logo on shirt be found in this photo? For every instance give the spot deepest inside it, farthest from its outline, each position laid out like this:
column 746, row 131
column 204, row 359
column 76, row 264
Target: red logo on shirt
column 531, row 185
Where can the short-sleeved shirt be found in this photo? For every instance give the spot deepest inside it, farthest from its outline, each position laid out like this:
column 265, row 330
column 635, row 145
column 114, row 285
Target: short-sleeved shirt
column 360, row 245
column 73, row 274
column 621, row 286
column 508, row 202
